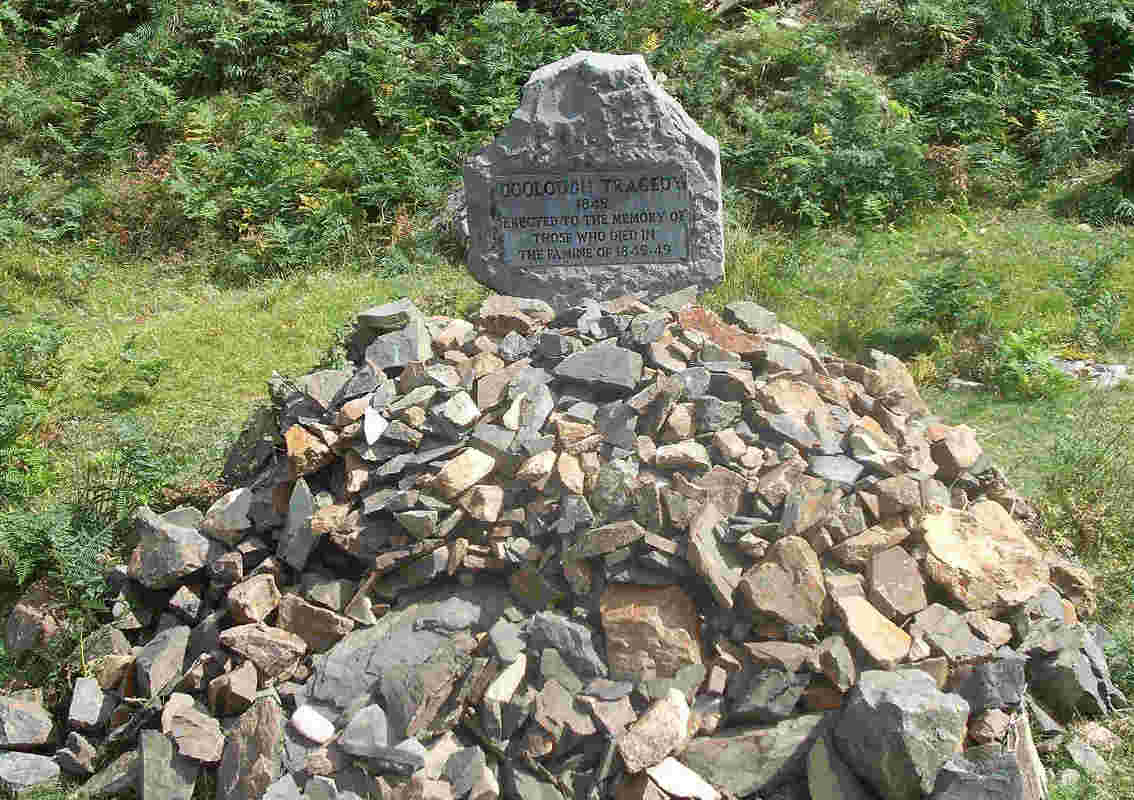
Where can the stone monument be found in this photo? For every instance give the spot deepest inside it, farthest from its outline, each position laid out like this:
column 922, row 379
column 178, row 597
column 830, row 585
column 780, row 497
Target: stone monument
column 600, row 186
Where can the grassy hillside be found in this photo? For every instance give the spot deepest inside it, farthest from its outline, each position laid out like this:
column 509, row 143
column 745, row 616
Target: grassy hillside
column 196, row 193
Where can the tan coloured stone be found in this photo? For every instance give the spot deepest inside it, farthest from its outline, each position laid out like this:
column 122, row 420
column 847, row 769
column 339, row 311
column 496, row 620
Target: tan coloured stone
column 274, row 651
column 955, row 449
column 788, row 586
column 651, row 632
column 982, row 558
column 726, row 488
column 251, row 753
column 233, row 692
column 483, row 502
column 570, row 473
column 729, row 444
column 723, row 335
column 680, row 425
column 306, row 452
column 662, row 729
column 788, row 656
column 993, row 631
column 857, row 551
column 254, row 599
column 461, row 473
column 319, row 627
column 989, row 726
column 895, row 586
column 705, row 555
column 886, row 643
column 538, row 468
column 197, row 735
column 687, row 454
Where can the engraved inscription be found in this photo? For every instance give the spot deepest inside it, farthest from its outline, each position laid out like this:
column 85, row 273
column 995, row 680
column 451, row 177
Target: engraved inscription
column 592, row 218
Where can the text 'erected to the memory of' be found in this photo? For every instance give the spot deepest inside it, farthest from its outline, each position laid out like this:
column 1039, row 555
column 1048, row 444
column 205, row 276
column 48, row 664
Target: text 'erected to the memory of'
column 592, row 218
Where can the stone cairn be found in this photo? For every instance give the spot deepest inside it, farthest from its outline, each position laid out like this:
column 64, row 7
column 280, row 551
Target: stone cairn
column 619, row 551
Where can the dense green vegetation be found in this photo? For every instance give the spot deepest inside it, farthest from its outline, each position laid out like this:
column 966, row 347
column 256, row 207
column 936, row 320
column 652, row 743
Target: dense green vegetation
column 196, row 192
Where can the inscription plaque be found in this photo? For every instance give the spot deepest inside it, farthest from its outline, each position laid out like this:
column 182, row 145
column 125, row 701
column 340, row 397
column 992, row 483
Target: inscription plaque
column 600, row 186
column 592, row 218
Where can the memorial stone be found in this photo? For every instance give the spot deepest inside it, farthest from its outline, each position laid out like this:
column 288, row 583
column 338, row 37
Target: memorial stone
column 600, row 186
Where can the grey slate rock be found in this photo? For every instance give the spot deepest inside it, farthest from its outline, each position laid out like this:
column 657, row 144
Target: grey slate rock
column 297, row 540
column 996, row 778
column 574, row 642
column 166, row 553
column 763, row 694
column 999, row 683
column 463, row 769
column 829, row 777
column 604, row 367
column 949, row 635
column 395, row 761
column 398, row 348
column 713, row 414
column 77, row 757
column 24, row 724
column 757, row 758
column 119, row 776
column 161, row 659
column 750, row 316
column 284, row 789
column 514, row 346
column 555, row 346
column 617, row 422
column 165, row 774
column 696, row 381
column 840, row 469
column 90, row 706
column 21, row 772
column 367, row 733
column 646, row 328
column 519, row 784
column 897, row 730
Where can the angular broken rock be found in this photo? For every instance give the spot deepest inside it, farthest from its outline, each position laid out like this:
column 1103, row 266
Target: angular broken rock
column 982, row 558
column 161, row 659
column 651, row 632
column 897, row 730
column 196, row 734
column 254, row 599
column 662, row 729
column 166, row 553
column 706, row 556
column 274, row 651
column 22, row 772
column 788, row 586
column 319, row 627
column 24, row 724
column 227, row 519
column 464, row 471
column 746, row 760
column 252, row 753
column 164, row 772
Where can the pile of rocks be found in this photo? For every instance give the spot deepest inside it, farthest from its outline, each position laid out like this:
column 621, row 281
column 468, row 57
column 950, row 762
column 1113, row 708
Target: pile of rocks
column 618, row 551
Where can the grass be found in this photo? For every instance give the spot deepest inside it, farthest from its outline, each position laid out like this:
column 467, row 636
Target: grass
column 214, row 347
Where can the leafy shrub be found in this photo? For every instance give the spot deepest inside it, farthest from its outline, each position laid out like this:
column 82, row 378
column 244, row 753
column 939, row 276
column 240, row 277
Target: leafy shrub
column 1098, row 306
column 1021, row 366
column 31, row 352
column 947, row 298
column 816, row 141
column 1018, row 80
